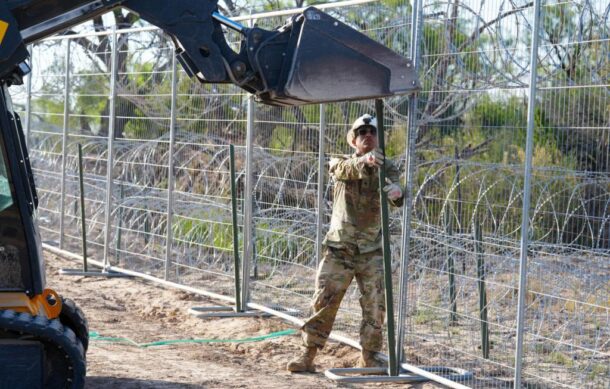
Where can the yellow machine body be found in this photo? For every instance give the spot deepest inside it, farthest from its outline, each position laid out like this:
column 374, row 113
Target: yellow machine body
column 48, row 303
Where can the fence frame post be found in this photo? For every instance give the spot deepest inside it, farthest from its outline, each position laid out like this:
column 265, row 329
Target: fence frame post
column 527, row 184
column 110, row 160
column 239, row 306
column 170, row 168
column 248, row 200
column 64, row 146
column 321, row 188
column 83, row 215
column 416, row 18
column 393, row 362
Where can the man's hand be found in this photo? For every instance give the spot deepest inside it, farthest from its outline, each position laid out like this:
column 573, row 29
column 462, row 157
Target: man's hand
column 373, row 158
column 393, row 190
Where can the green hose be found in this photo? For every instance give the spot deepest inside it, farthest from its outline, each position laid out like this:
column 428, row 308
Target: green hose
column 95, row 336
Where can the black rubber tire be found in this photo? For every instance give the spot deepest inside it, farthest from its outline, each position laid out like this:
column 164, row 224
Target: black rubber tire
column 72, row 316
column 65, row 365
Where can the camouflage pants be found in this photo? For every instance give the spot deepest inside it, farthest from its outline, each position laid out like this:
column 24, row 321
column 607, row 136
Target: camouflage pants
column 337, row 269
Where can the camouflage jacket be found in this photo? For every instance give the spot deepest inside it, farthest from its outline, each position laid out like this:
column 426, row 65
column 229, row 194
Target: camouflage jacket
column 356, row 216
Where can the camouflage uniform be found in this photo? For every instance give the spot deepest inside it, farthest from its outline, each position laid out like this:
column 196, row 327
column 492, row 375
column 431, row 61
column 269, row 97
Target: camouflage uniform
column 352, row 248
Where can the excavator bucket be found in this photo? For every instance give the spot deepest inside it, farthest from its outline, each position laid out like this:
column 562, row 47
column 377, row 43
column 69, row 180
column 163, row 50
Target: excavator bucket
column 315, row 58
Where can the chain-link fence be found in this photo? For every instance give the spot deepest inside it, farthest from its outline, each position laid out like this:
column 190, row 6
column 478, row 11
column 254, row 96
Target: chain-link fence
column 504, row 267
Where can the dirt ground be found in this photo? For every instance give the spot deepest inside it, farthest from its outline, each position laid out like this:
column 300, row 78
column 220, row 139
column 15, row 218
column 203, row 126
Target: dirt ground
column 146, row 312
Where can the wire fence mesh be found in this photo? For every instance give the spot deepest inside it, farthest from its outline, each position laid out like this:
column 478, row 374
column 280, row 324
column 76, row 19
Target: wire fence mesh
column 168, row 140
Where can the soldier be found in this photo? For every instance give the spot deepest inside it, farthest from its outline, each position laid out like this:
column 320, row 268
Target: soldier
column 352, row 247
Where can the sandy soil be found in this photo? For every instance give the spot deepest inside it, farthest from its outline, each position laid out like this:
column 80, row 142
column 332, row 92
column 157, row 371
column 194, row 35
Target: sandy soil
column 145, row 312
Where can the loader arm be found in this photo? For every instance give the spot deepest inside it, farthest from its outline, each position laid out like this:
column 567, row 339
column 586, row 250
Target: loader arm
column 313, row 58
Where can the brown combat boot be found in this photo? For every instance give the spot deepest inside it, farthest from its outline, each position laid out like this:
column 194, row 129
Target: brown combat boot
column 367, row 359
column 304, row 363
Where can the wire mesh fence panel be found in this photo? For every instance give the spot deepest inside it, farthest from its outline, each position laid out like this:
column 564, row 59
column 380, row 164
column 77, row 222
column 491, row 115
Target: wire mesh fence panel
column 88, row 124
column 479, row 185
column 462, row 291
column 468, row 190
column 209, row 117
column 284, row 212
column 567, row 338
column 142, row 110
column 46, row 134
column 202, row 227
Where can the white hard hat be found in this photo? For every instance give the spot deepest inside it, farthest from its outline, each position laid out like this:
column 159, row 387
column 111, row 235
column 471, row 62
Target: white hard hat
column 365, row 120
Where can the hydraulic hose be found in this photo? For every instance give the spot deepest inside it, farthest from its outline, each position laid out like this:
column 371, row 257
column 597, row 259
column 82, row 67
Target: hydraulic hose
column 95, row 336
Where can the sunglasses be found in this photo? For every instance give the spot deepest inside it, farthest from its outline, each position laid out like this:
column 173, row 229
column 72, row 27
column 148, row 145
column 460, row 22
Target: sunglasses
column 363, row 131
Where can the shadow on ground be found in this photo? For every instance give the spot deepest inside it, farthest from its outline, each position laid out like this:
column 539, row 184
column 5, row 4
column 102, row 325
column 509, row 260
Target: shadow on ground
column 130, row 383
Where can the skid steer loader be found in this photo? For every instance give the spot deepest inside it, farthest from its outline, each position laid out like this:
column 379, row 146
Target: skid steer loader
column 313, row 58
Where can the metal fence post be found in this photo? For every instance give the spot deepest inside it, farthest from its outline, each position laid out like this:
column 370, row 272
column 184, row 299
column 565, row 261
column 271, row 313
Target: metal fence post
column 481, row 270
column 529, row 149
column 393, row 362
column 64, row 146
column 170, row 170
column 239, row 306
column 410, row 171
column 248, row 234
column 248, row 200
column 28, row 101
column 110, row 161
column 321, row 159
column 83, row 214
column 450, row 268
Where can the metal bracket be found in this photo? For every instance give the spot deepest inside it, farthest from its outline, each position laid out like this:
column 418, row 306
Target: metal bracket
column 81, row 273
column 224, row 311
